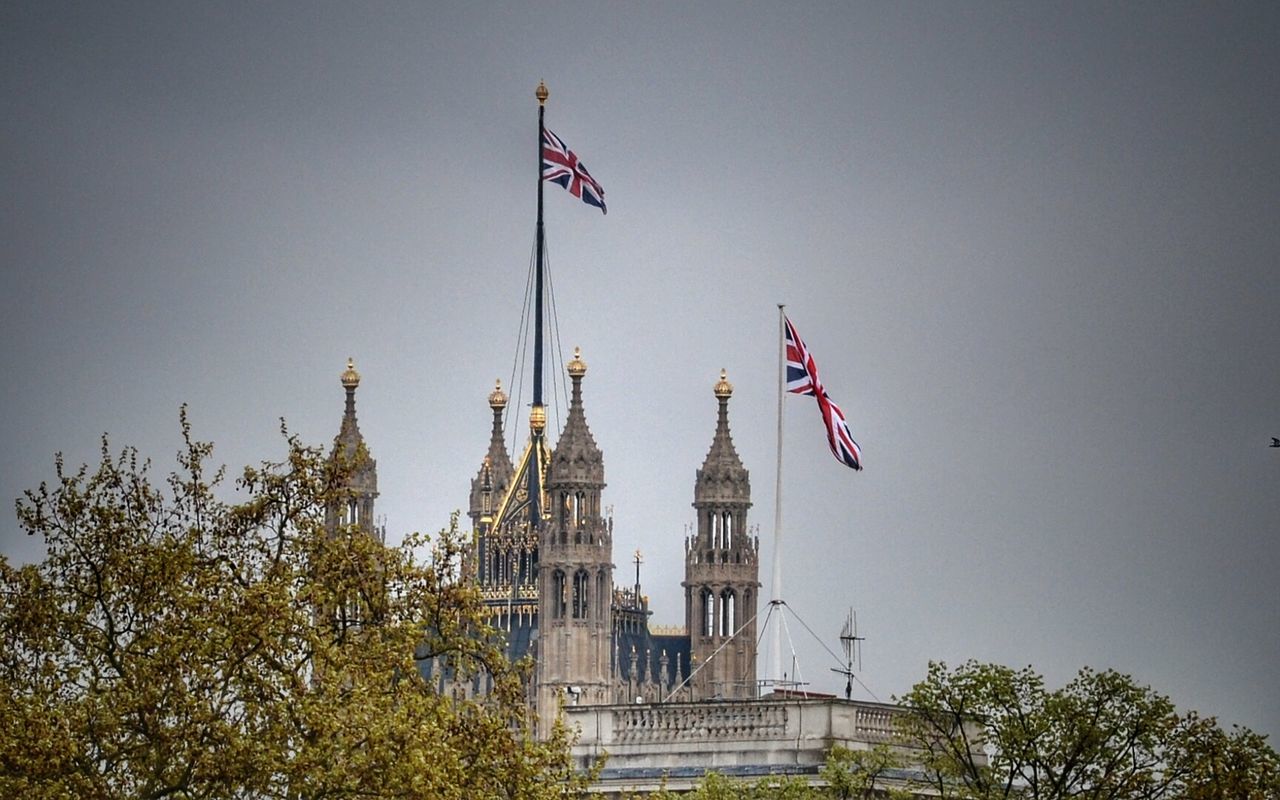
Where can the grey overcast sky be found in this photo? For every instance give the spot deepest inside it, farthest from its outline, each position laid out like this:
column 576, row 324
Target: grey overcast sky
column 1033, row 247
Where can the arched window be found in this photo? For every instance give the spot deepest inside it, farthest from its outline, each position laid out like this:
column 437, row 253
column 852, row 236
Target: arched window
column 581, row 581
column 602, row 594
column 708, row 612
column 728, row 605
column 727, row 538
column 557, row 595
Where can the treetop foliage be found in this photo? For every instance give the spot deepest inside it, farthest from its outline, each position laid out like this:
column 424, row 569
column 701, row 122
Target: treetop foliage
column 991, row 732
column 174, row 644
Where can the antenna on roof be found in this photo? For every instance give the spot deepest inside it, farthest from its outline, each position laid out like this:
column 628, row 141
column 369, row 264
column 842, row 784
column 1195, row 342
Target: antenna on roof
column 852, row 643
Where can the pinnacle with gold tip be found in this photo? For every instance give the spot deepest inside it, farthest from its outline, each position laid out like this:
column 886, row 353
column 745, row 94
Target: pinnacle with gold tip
column 497, row 398
column 541, row 93
column 723, row 388
column 577, row 367
column 350, row 378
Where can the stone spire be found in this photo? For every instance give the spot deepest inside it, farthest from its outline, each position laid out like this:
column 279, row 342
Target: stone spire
column 577, row 461
column 722, row 478
column 351, row 455
column 348, row 440
column 491, row 482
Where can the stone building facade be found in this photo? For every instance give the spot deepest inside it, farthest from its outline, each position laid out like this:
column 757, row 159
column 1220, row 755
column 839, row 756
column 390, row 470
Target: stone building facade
column 666, row 705
column 542, row 556
column 546, row 570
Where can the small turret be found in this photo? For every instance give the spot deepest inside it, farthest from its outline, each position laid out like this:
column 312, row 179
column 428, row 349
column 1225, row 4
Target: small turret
column 358, row 467
column 577, row 462
column 721, row 570
column 491, row 482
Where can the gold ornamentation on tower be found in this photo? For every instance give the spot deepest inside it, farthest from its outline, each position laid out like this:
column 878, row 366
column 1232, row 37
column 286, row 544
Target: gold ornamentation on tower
column 350, row 378
column 723, row 387
column 577, row 367
column 497, row 398
column 541, row 93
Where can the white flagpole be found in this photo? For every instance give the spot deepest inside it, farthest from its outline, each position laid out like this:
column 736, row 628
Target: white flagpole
column 777, row 504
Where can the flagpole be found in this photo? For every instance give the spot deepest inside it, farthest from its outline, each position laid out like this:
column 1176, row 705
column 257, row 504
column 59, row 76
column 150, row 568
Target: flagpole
column 542, row 95
column 538, row 414
column 777, row 501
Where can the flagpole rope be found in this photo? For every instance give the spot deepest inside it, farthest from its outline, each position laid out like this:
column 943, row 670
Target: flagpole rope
column 797, row 677
column 518, row 358
column 558, row 352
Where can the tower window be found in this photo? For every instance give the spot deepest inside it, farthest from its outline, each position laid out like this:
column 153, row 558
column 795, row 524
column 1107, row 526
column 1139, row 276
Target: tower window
column 708, row 612
column 557, row 595
column 581, row 581
column 728, row 606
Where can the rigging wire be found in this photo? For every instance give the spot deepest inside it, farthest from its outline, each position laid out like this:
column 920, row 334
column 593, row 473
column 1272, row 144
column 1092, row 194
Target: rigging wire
column 558, row 350
column 830, row 652
column 522, row 340
column 795, row 661
column 714, row 653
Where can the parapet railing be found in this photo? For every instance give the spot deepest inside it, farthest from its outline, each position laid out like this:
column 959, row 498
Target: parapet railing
column 741, row 720
column 700, row 722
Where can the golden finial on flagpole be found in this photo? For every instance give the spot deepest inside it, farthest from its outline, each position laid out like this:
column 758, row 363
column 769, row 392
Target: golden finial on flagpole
column 542, row 94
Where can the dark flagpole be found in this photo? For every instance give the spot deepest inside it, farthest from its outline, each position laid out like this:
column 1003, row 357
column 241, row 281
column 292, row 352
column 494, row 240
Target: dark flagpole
column 538, row 415
column 542, row 95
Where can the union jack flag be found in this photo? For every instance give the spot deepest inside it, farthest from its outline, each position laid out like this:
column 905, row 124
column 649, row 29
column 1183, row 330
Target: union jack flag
column 802, row 378
column 560, row 165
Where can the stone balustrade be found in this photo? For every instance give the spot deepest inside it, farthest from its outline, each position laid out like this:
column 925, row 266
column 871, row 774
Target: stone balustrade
column 648, row 745
column 699, row 722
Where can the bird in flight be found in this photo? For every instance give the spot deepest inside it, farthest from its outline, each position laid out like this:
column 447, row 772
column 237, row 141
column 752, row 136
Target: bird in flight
column 1275, row 442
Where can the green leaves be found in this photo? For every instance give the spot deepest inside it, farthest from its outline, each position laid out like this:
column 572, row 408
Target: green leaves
column 987, row 731
column 175, row 644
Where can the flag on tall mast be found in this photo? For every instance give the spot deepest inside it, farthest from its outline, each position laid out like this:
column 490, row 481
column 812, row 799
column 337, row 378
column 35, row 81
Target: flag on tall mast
column 802, row 378
column 559, row 164
column 798, row 374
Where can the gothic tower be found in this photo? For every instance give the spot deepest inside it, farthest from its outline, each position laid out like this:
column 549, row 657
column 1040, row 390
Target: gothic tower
column 721, row 570
column 575, row 571
column 360, row 470
column 490, row 484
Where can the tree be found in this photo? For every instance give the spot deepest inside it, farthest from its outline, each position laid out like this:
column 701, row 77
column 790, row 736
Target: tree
column 988, row 731
column 173, row 644
column 861, row 774
column 1216, row 764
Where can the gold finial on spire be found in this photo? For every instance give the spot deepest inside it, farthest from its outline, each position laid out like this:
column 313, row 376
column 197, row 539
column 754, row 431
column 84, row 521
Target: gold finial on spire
column 723, row 387
column 577, row 367
column 350, row 378
column 538, row 418
column 542, row 94
column 497, row 398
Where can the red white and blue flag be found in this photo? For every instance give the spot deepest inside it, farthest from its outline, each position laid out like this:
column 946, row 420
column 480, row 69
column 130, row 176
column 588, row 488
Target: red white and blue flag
column 560, row 165
column 802, row 378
